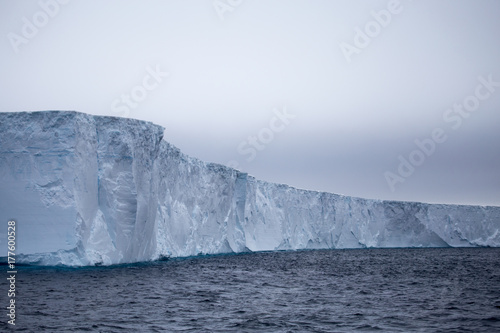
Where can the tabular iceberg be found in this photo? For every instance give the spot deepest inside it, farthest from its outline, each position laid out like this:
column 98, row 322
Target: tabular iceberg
column 88, row 190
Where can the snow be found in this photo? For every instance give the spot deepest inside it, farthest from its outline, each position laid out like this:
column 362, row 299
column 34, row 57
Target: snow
column 88, row 190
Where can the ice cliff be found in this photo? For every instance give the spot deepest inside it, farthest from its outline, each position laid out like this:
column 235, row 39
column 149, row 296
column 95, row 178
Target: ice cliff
column 90, row 190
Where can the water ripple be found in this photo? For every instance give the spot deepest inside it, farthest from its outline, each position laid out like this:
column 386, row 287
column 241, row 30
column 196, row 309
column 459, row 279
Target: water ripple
column 386, row 290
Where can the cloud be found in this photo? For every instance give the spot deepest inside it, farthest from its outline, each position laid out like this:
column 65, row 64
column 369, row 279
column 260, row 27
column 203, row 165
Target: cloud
column 226, row 76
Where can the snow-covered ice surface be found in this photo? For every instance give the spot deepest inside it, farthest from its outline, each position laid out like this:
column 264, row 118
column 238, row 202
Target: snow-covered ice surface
column 88, row 190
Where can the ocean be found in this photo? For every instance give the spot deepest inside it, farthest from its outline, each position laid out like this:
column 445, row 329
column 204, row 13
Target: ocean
column 365, row 290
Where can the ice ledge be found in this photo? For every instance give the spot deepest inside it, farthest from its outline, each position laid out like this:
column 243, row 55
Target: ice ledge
column 89, row 190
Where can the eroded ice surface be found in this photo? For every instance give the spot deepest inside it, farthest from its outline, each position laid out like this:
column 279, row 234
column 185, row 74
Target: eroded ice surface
column 89, row 189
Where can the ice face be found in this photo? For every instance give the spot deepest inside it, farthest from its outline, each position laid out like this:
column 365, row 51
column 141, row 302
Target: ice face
column 88, row 190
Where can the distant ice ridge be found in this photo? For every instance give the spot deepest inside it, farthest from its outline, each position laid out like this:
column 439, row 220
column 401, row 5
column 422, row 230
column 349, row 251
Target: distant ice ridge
column 88, row 190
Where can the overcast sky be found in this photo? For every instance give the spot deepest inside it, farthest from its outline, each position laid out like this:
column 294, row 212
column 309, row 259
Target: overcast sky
column 318, row 94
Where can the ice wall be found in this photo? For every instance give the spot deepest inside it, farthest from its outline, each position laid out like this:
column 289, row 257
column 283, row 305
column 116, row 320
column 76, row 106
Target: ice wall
column 90, row 190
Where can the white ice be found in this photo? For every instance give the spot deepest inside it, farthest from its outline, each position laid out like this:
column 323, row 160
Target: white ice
column 88, row 190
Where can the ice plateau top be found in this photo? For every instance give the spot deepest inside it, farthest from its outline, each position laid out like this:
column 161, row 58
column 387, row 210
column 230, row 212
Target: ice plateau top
column 88, row 190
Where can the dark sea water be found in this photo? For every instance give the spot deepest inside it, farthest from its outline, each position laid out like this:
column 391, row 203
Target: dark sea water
column 385, row 290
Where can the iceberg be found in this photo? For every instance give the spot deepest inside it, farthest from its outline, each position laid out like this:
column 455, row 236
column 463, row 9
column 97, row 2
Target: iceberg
column 92, row 190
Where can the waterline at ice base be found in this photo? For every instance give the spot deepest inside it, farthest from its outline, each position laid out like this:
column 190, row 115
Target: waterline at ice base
column 87, row 190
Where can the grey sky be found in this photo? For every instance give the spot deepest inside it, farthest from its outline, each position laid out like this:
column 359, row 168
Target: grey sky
column 230, row 66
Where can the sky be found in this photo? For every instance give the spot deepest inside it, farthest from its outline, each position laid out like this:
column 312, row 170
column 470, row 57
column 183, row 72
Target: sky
column 393, row 100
